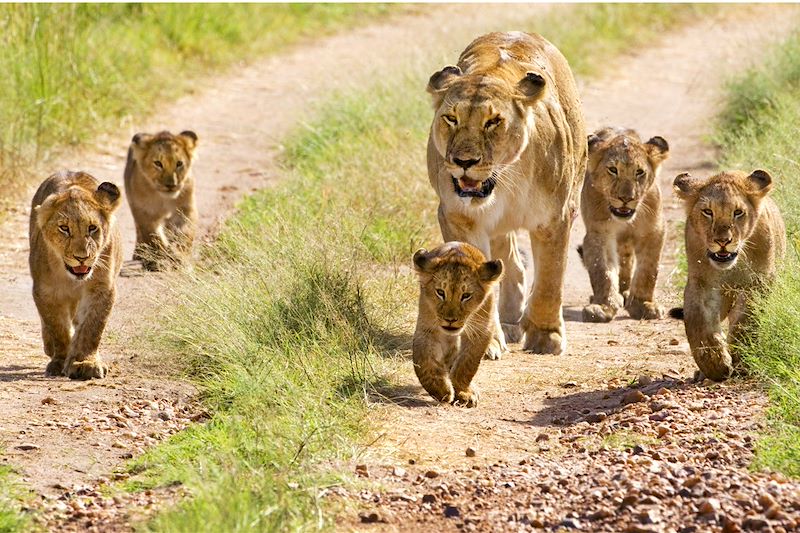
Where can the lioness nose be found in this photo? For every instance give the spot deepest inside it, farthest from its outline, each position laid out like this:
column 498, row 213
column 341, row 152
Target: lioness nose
column 79, row 258
column 466, row 163
column 722, row 241
column 625, row 199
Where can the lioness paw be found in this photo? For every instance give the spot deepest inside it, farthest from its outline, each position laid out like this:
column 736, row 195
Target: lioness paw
column 641, row 310
column 466, row 398
column 512, row 332
column 544, row 341
column 88, row 369
column 54, row 368
column 598, row 313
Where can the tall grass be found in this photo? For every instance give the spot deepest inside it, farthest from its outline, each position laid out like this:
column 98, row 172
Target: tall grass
column 759, row 128
column 296, row 311
column 73, row 70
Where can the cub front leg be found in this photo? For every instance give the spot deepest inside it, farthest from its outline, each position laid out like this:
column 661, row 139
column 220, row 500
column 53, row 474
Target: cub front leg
column 600, row 259
column 56, row 334
column 511, row 303
column 474, row 343
column 83, row 361
column 151, row 245
column 180, row 228
column 641, row 303
column 704, row 331
column 430, row 359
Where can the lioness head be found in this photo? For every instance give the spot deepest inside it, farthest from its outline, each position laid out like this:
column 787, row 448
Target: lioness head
column 623, row 168
column 722, row 211
column 481, row 125
column 455, row 279
column 75, row 225
column 164, row 159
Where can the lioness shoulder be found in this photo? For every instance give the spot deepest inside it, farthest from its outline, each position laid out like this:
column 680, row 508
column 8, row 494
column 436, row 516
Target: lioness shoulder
column 621, row 208
column 454, row 322
column 735, row 237
column 159, row 185
column 75, row 256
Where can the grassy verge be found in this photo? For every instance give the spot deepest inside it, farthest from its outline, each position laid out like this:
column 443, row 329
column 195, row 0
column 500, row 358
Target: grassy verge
column 298, row 309
column 759, row 129
column 12, row 519
column 73, row 70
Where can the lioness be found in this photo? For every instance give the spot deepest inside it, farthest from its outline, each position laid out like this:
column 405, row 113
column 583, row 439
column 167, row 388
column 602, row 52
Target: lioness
column 507, row 151
column 453, row 326
column 160, row 188
column 621, row 208
column 75, row 257
column 734, row 237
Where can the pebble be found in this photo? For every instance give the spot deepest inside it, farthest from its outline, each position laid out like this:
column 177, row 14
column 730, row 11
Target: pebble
column 644, row 380
column 362, row 471
column 709, row 506
column 431, row 474
column 634, row 396
column 470, row 452
column 451, row 511
column 26, row 446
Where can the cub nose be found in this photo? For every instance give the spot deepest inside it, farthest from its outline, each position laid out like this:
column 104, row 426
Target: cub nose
column 625, row 199
column 466, row 163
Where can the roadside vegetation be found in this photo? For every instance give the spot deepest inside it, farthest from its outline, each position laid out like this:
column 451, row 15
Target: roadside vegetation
column 759, row 128
column 71, row 71
column 302, row 306
column 12, row 518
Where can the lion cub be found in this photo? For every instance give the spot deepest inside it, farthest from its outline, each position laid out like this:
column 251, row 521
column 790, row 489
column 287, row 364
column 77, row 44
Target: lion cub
column 734, row 237
column 621, row 208
column 75, row 256
column 160, row 188
column 454, row 326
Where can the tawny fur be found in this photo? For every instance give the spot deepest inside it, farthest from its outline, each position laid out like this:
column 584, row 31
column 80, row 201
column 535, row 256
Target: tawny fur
column 72, row 224
column 728, row 212
column 159, row 185
column 454, row 322
column 622, row 253
column 510, row 112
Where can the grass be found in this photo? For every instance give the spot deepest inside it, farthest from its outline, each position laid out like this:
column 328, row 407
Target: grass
column 12, row 518
column 759, row 128
column 71, row 71
column 299, row 309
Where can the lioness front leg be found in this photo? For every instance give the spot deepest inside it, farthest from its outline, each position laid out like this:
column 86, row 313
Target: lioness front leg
column 599, row 257
column 55, row 333
column 543, row 322
column 704, row 331
column 83, row 361
column 511, row 303
column 641, row 303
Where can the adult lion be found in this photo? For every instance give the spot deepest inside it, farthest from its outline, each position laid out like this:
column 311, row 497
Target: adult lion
column 507, row 151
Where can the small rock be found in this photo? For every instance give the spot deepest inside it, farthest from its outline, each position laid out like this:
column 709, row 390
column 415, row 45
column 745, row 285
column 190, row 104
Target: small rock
column 765, row 500
column 649, row 516
column 692, row 481
column 600, row 514
column 674, row 342
column 774, row 512
column 612, row 342
column 662, row 430
column 166, row 414
column 48, row 400
column 709, row 506
column 542, row 437
column 594, row 418
column 362, row 471
column 644, row 380
column 369, row 518
column 429, row 498
column 470, row 452
column 430, row 474
column 118, row 444
column 26, row 446
column 755, row 523
column 130, row 413
column 451, row 512
column 399, row 471
column 569, row 385
column 663, row 391
column 634, row 396
column 571, row 523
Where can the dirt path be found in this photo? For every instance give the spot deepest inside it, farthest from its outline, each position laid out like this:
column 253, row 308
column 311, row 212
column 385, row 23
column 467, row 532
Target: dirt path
column 66, row 438
column 555, row 442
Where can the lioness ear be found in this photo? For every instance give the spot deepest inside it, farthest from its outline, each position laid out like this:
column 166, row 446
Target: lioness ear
column 684, row 186
column 44, row 211
column 531, row 87
column 190, row 139
column 421, row 260
column 657, row 150
column 442, row 79
column 760, row 183
column 108, row 195
column 491, row 270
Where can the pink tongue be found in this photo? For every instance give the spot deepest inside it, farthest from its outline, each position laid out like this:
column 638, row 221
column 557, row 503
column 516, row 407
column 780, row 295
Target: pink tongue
column 469, row 184
column 81, row 269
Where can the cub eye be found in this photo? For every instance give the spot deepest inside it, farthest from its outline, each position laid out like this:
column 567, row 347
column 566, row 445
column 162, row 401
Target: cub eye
column 612, row 170
column 158, row 164
column 92, row 228
column 179, row 164
column 738, row 213
column 64, row 229
column 440, row 293
column 492, row 122
column 640, row 172
column 450, row 119
column 466, row 296
column 707, row 212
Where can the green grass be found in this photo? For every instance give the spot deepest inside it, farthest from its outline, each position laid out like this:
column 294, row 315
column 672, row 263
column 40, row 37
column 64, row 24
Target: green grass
column 759, row 128
column 12, row 517
column 71, row 71
column 298, row 310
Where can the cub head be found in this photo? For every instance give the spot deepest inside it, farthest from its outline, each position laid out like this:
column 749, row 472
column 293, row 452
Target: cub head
column 455, row 279
column 623, row 168
column 481, row 125
column 164, row 159
column 75, row 224
column 722, row 211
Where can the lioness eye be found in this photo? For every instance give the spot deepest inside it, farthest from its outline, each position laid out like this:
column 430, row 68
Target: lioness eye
column 612, row 171
column 440, row 293
column 707, row 212
column 64, row 229
column 179, row 164
column 92, row 228
column 492, row 122
column 466, row 296
column 450, row 119
column 158, row 164
column 738, row 213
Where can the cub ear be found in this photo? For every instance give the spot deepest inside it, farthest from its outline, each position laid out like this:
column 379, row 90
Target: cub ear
column 531, row 87
column 141, row 140
column 189, row 138
column 760, row 183
column 657, row 150
column 108, row 195
column 491, row 270
column 594, row 142
column 421, row 260
column 442, row 79
column 685, row 186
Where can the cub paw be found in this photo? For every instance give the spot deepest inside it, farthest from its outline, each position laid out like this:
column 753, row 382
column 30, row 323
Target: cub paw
column 88, row 369
column 495, row 351
column 641, row 310
column 512, row 332
column 466, row 398
column 544, row 341
column 598, row 313
column 55, row 368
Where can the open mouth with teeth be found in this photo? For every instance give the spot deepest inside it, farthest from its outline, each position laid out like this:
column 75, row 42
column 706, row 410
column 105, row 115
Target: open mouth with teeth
column 622, row 212
column 451, row 329
column 722, row 257
column 80, row 271
column 467, row 188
